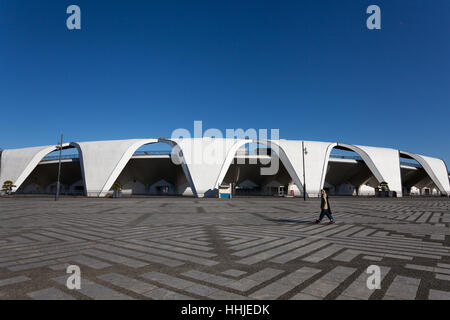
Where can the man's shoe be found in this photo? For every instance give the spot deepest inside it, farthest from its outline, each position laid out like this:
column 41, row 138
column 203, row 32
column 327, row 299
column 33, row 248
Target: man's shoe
column 331, row 222
column 317, row 222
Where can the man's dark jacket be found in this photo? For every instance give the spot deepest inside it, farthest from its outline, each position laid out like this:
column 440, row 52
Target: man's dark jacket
column 322, row 203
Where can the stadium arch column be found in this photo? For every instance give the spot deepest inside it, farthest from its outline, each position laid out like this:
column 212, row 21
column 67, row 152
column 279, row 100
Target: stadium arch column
column 435, row 168
column 203, row 160
column 316, row 158
column 17, row 164
column 384, row 164
column 289, row 153
column 103, row 161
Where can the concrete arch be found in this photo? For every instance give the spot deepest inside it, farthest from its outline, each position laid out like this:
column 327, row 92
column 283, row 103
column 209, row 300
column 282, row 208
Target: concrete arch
column 203, row 160
column 17, row 164
column 229, row 159
column 317, row 155
column 178, row 156
column 103, row 161
column 366, row 158
column 435, row 168
column 289, row 152
column 384, row 163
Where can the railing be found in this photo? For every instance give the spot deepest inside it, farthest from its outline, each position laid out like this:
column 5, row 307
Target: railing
column 63, row 157
column 152, row 153
column 336, row 156
column 76, row 156
column 358, row 158
column 164, row 152
column 411, row 164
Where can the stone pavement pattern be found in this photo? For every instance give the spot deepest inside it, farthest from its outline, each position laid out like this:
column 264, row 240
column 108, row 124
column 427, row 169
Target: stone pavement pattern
column 244, row 248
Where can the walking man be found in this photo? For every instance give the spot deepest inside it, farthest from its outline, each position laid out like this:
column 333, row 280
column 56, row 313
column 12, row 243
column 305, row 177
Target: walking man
column 325, row 208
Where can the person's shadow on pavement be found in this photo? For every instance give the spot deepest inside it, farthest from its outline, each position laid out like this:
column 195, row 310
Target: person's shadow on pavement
column 291, row 221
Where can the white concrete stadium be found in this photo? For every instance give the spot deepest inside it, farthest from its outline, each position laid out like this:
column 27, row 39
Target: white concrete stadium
column 197, row 166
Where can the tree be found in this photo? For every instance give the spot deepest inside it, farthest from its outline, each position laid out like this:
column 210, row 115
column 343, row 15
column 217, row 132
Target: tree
column 384, row 186
column 117, row 188
column 8, row 185
column 383, row 189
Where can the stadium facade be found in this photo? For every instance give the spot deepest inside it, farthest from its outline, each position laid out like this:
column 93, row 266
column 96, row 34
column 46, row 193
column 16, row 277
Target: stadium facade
column 198, row 166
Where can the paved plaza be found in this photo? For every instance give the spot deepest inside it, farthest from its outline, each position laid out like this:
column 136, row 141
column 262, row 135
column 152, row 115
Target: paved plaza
column 244, row 248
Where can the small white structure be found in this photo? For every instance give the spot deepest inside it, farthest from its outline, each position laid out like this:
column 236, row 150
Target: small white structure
column 184, row 189
column 293, row 190
column 366, row 190
column 225, row 190
column 414, row 191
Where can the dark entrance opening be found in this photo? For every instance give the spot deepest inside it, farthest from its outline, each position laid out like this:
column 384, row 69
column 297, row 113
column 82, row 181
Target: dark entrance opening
column 43, row 179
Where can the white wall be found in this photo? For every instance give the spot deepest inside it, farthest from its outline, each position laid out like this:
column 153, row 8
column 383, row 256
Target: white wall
column 316, row 163
column 436, row 169
column 17, row 164
column 365, row 190
column 103, row 161
column 387, row 163
column 205, row 162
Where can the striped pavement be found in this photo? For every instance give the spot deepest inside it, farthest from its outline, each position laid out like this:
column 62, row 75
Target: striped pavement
column 239, row 249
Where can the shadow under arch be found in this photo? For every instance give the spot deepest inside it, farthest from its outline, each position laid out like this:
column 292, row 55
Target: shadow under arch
column 119, row 166
column 177, row 154
column 347, row 147
column 275, row 147
column 44, row 178
column 430, row 171
column 32, row 161
column 129, row 150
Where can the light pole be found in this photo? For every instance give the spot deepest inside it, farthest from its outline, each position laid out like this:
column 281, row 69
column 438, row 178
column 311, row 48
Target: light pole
column 304, row 152
column 59, row 169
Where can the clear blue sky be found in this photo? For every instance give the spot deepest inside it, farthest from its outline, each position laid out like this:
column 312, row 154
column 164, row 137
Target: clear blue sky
column 144, row 68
